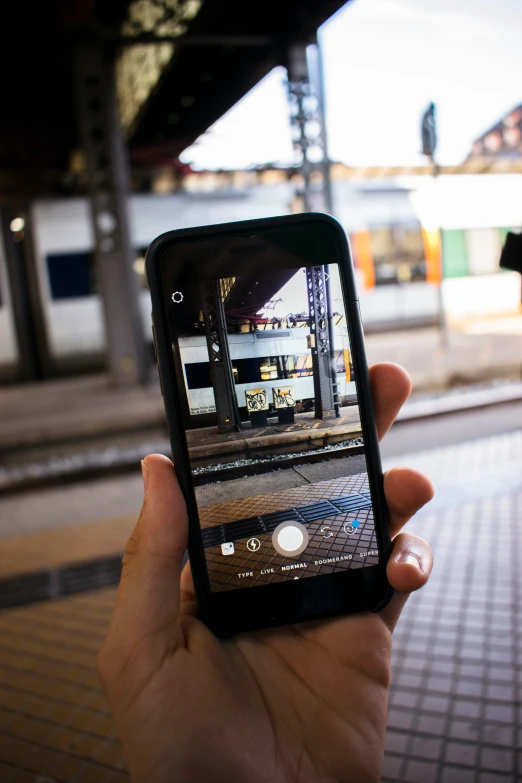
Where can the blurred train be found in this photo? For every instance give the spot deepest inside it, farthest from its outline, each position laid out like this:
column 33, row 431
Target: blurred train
column 265, row 359
column 400, row 256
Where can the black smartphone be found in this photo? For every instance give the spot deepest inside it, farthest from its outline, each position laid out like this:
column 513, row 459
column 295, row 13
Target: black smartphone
column 261, row 358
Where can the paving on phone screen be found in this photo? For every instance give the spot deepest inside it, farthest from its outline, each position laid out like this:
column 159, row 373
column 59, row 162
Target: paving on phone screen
column 337, row 541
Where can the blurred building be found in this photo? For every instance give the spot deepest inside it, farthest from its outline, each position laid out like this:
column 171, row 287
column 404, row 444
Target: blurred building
column 503, row 140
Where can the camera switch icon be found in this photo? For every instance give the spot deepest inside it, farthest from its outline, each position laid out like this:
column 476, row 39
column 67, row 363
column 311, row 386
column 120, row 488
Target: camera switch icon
column 228, row 548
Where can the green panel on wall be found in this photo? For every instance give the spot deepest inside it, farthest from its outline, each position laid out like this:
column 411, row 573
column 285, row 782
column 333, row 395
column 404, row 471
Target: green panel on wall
column 454, row 252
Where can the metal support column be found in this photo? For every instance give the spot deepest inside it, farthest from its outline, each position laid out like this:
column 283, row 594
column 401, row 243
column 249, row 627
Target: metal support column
column 314, row 191
column 219, row 356
column 316, row 75
column 308, row 127
column 107, row 173
column 34, row 359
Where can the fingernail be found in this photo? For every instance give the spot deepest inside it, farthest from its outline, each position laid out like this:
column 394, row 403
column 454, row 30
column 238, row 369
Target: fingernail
column 145, row 474
column 408, row 558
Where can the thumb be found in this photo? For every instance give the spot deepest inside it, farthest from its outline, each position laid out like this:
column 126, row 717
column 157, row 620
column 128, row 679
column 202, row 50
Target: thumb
column 149, row 593
column 408, row 569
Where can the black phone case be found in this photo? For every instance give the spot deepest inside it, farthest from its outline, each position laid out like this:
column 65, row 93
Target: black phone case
column 173, row 409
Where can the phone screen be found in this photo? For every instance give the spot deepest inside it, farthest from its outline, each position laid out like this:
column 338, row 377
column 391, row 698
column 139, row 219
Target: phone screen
column 267, row 384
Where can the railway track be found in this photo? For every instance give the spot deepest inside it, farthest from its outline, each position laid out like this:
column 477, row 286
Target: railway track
column 31, row 469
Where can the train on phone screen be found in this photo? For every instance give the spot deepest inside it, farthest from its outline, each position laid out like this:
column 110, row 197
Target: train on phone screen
column 266, row 360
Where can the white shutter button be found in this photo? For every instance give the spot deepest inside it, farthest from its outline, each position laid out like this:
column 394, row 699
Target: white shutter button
column 290, row 538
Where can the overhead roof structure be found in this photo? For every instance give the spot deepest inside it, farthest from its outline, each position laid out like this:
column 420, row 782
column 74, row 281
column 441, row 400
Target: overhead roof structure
column 181, row 64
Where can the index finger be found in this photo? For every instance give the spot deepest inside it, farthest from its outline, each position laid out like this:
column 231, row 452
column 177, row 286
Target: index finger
column 391, row 387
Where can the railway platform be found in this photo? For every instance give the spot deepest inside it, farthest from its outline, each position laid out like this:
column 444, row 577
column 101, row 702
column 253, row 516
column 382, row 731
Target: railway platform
column 305, row 431
column 80, row 408
column 80, row 428
column 455, row 703
column 86, row 406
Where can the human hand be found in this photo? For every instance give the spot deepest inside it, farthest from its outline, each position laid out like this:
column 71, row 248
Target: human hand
column 302, row 703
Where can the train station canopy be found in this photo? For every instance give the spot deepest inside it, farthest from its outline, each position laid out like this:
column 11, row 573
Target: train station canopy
column 180, row 65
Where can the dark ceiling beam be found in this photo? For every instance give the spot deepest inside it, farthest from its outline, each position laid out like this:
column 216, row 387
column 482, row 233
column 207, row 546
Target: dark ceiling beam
column 228, row 47
column 187, row 100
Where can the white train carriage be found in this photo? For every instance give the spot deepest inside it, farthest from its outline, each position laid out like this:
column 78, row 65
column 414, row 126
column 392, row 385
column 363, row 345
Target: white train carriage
column 64, row 250
column 264, row 359
column 472, row 211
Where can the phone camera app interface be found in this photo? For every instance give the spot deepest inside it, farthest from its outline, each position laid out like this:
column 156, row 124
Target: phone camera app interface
column 264, row 363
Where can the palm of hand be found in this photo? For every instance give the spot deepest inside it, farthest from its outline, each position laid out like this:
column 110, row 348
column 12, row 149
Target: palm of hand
column 302, row 703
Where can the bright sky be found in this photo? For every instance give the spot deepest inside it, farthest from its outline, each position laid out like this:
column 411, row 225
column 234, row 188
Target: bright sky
column 384, row 61
column 293, row 295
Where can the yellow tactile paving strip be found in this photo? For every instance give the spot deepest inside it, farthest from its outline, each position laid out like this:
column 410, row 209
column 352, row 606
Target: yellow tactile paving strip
column 55, row 725
column 58, row 547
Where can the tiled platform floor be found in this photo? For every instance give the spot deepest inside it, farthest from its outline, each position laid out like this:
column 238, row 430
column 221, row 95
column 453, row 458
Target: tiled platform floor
column 455, row 711
column 55, row 724
column 456, row 699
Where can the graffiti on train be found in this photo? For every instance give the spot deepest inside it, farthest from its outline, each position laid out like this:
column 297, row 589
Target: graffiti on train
column 256, row 400
column 283, row 397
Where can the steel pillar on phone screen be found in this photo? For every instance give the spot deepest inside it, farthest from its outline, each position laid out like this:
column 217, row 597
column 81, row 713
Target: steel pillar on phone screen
column 221, row 373
column 320, row 342
column 314, row 192
column 107, row 173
